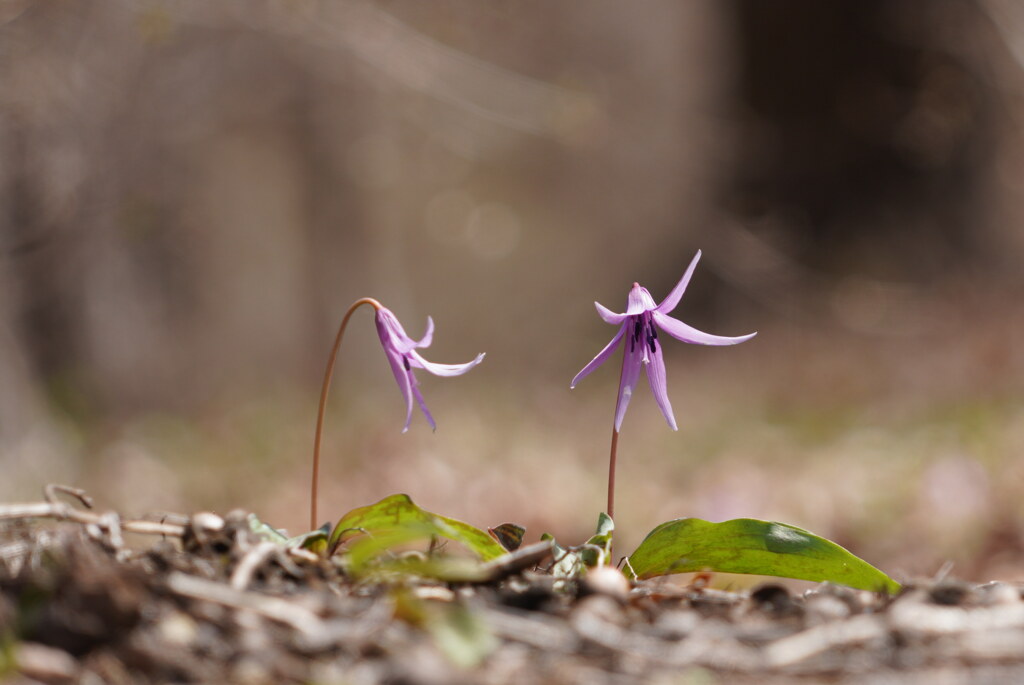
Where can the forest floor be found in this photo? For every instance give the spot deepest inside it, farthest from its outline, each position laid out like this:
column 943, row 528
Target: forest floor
column 91, row 598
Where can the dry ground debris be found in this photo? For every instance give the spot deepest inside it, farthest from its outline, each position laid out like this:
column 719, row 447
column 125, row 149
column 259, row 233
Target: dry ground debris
column 203, row 599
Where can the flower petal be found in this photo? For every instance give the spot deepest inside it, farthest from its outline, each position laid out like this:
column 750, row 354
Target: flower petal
column 423, row 406
column 681, row 331
column 601, row 357
column 670, row 302
column 428, row 337
column 627, row 380
column 659, row 386
column 608, row 315
column 391, row 333
column 640, row 301
column 417, row 360
column 404, row 383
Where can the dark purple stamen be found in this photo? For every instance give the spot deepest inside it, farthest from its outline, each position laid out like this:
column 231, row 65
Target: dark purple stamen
column 636, row 330
column 405, row 363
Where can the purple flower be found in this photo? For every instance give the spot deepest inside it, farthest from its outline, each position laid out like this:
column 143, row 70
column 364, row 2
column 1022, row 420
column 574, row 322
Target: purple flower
column 639, row 328
column 403, row 357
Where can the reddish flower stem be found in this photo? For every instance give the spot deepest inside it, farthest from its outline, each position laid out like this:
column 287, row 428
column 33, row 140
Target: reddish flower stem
column 323, row 404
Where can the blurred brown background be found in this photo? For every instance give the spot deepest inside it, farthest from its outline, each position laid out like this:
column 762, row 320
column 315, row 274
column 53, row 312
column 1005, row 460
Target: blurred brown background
column 191, row 194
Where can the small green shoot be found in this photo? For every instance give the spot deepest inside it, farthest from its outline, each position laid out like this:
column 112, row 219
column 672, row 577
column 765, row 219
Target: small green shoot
column 570, row 562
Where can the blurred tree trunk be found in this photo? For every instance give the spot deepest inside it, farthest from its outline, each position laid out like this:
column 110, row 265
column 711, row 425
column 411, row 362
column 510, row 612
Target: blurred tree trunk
column 867, row 131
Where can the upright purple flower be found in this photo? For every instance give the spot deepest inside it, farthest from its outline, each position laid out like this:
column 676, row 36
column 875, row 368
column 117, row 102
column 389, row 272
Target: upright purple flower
column 403, row 357
column 639, row 328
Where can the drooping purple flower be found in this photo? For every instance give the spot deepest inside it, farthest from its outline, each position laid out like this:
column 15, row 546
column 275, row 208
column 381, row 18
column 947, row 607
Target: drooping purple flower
column 401, row 352
column 638, row 327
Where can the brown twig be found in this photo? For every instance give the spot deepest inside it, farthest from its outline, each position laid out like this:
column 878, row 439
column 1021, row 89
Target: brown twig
column 50, row 493
column 275, row 608
column 517, row 561
column 809, row 643
column 250, row 563
column 53, row 508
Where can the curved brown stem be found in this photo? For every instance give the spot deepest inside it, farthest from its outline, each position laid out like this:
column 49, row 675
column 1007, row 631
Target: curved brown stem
column 323, row 403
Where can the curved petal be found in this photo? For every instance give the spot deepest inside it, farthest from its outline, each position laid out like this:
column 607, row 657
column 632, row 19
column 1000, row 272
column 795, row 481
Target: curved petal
column 659, row 386
column 608, row 315
column 627, row 381
column 640, row 301
column 670, row 302
column 423, row 406
column 428, row 337
column 688, row 334
column 391, row 332
column 417, row 360
column 601, row 357
column 402, row 377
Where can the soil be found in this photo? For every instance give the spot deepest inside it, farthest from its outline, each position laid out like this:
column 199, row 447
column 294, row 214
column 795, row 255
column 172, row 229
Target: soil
column 203, row 599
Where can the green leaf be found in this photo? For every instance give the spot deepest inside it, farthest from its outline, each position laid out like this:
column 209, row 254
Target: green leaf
column 509, row 535
column 398, row 512
column 460, row 634
column 364, row 550
column 752, row 546
column 605, row 527
column 265, row 531
column 572, row 561
column 315, row 540
column 602, row 539
column 567, row 563
column 446, row 569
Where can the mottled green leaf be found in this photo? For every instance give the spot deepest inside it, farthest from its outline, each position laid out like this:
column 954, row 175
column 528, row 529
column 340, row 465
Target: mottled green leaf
column 571, row 561
column 398, row 512
column 446, row 569
column 315, row 540
column 605, row 527
column 509, row 535
column 752, row 546
column 567, row 563
column 602, row 539
column 373, row 546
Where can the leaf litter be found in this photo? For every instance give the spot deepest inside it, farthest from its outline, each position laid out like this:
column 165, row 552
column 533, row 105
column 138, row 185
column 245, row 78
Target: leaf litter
column 94, row 598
